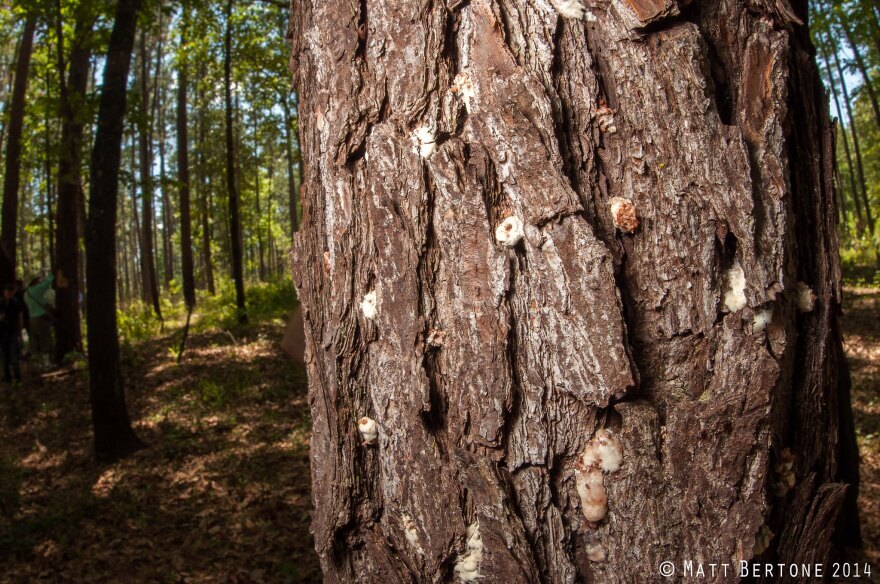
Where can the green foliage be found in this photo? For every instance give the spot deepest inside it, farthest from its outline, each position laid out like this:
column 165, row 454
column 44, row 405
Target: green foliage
column 137, row 323
column 214, row 394
column 859, row 268
column 266, row 302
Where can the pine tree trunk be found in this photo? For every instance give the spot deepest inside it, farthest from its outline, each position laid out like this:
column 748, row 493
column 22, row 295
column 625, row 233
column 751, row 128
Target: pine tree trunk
column 12, row 172
column 231, row 185
column 491, row 369
column 114, row 437
column 45, row 194
column 159, row 117
column 853, row 128
column 186, row 251
column 291, row 177
column 205, row 202
column 150, row 283
column 167, row 214
column 860, row 65
column 860, row 222
column 68, row 330
column 261, row 267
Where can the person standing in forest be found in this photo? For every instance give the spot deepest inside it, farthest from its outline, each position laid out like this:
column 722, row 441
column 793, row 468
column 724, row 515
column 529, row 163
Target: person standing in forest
column 40, row 309
column 11, row 322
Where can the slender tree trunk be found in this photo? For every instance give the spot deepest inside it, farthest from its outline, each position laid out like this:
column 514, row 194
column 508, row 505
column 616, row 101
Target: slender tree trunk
column 261, row 268
column 114, row 437
column 259, row 221
column 167, row 212
column 860, row 226
column 50, row 214
column 204, row 201
column 270, row 196
column 291, row 177
column 12, row 173
column 856, row 147
column 136, row 239
column 495, row 362
column 860, row 64
column 124, row 251
column 23, row 239
column 46, row 259
column 148, row 260
column 232, row 187
column 186, row 252
column 209, row 230
column 7, row 91
column 68, row 330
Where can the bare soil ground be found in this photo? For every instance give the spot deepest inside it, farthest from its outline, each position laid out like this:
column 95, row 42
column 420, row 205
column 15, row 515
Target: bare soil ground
column 222, row 492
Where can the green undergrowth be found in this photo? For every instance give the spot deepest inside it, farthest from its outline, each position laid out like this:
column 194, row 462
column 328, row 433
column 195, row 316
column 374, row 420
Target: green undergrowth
column 266, row 302
column 860, row 266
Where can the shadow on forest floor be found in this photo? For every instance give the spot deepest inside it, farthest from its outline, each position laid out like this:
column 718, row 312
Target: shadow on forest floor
column 220, row 495
column 861, row 330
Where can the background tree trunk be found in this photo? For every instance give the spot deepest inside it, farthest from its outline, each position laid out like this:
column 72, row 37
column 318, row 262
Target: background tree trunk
column 860, row 63
column 231, row 185
column 68, row 332
column 860, row 221
column 12, row 173
column 205, row 201
column 489, row 369
column 114, row 437
column 150, row 283
column 291, row 176
column 186, row 251
column 855, row 137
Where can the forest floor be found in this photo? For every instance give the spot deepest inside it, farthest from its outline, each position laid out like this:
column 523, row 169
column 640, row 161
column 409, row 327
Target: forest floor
column 861, row 330
column 222, row 492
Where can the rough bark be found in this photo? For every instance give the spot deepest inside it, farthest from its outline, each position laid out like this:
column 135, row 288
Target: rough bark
column 68, row 330
column 186, row 251
column 231, row 185
column 12, row 169
column 114, row 437
column 489, row 369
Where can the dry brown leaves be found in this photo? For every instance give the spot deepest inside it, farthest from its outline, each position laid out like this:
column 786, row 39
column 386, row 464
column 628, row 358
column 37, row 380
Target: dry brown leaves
column 861, row 328
column 220, row 495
